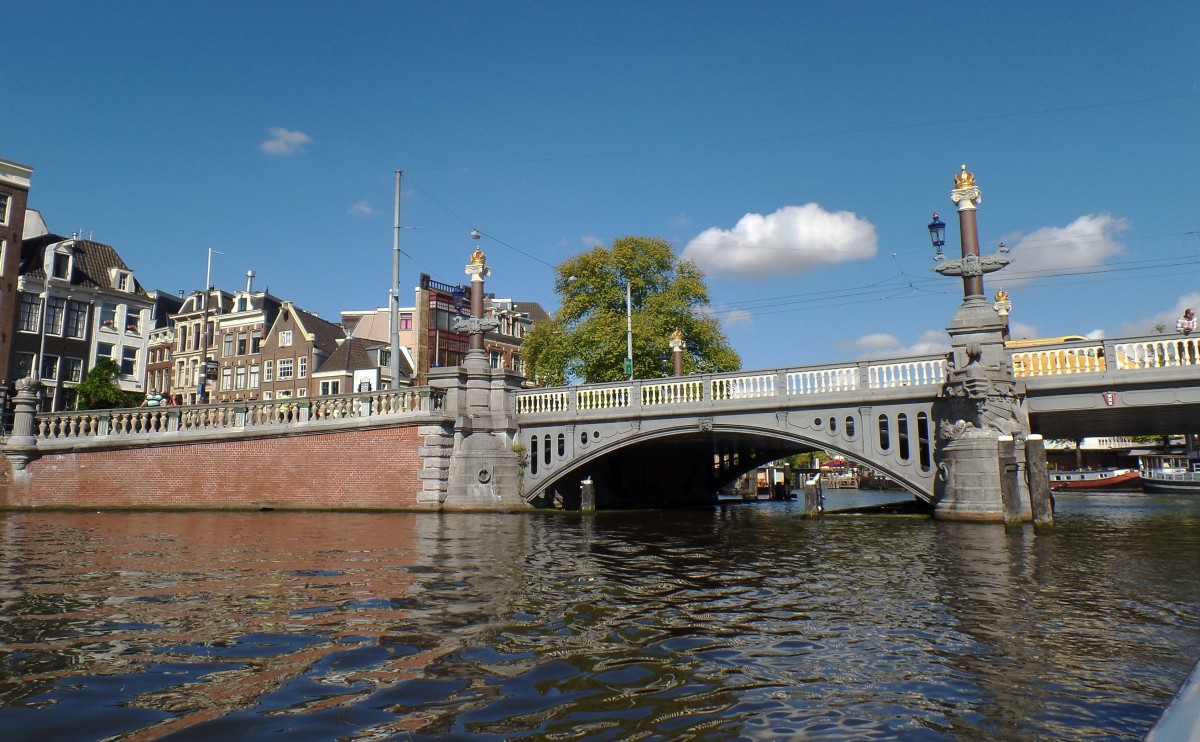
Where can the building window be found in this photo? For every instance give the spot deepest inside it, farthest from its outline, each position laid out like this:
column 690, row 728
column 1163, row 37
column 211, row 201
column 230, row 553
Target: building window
column 25, row 363
column 108, row 315
column 406, row 322
column 268, row 370
column 61, row 267
column 133, row 322
column 302, row 367
column 76, row 319
column 56, row 309
column 227, row 345
column 302, row 392
column 122, row 281
column 255, row 341
column 254, row 376
column 74, row 370
column 497, row 359
column 285, row 338
column 129, row 361
column 240, row 378
column 50, row 367
column 30, row 313
column 285, row 368
column 266, row 396
column 183, row 338
column 4, row 201
column 241, row 343
column 105, row 350
column 331, row 387
column 226, row 379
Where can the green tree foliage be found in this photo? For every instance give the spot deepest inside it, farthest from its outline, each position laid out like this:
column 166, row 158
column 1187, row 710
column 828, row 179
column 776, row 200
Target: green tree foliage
column 586, row 339
column 99, row 388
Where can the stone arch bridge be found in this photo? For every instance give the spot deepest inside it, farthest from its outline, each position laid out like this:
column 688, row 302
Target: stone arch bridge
column 687, row 436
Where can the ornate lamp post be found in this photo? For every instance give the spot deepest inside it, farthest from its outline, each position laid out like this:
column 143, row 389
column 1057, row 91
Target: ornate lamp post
column 477, row 325
column 981, row 412
column 970, row 266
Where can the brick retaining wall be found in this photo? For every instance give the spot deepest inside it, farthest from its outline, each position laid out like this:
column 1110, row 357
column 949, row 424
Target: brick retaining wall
column 369, row 469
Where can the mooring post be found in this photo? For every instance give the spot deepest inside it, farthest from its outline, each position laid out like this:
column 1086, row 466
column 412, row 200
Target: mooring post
column 1040, row 498
column 1010, row 486
column 587, row 496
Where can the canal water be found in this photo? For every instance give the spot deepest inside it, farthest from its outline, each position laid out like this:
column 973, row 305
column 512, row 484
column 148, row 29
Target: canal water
column 740, row 621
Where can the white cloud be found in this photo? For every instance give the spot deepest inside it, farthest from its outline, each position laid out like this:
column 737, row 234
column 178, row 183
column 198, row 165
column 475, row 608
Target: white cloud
column 1022, row 331
column 738, row 317
column 874, row 341
column 361, row 208
column 284, row 142
column 591, row 240
column 792, row 240
column 1081, row 245
column 1166, row 318
column 883, row 345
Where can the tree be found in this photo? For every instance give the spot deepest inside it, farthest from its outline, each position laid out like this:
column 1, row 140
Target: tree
column 586, row 338
column 99, row 388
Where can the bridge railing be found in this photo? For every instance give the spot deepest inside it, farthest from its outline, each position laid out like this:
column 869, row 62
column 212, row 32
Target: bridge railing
column 737, row 386
column 1106, row 356
column 63, row 426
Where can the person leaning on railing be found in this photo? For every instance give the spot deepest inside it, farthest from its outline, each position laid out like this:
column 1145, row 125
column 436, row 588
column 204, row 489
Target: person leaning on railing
column 1186, row 323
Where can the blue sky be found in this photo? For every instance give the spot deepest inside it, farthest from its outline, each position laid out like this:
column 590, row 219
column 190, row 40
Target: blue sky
column 795, row 149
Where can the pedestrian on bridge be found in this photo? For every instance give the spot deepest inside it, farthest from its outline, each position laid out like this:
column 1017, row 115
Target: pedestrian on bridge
column 1186, row 323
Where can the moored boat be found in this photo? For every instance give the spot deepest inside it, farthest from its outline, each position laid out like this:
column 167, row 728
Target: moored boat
column 1095, row 479
column 1177, row 481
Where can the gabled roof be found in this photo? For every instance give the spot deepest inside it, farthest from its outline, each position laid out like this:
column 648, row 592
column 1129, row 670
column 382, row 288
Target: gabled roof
column 354, row 355
column 533, row 309
column 325, row 334
column 93, row 261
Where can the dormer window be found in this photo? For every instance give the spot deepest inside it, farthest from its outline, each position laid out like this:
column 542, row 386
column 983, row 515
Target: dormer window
column 122, row 280
column 60, row 265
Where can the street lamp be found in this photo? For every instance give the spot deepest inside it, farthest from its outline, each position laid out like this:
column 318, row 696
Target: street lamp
column 937, row 233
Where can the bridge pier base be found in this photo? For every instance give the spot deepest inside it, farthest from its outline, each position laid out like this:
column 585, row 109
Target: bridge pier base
column 971, row 484
column 483, row 472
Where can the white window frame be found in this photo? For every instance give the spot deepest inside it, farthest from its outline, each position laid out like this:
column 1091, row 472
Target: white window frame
column 302, row 367
column 285, row 338
column 268, row 371
column 74, row 369
column 29, row 306
column 285, row 369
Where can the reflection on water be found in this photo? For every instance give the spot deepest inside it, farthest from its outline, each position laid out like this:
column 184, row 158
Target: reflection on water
column 736, row 622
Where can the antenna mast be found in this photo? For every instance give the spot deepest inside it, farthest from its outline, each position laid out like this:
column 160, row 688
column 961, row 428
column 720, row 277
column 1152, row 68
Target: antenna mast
column 394, row 304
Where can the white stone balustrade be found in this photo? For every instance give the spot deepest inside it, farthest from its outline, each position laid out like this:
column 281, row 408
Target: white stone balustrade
column 744, row 387
column 655, row 393
column 890, row 375
column 602, row 398
column 533, row 402
column 823, row 380
column 62, row 426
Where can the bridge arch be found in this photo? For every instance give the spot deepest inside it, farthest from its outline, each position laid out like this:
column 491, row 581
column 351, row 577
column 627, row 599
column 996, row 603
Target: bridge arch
column 686, row 463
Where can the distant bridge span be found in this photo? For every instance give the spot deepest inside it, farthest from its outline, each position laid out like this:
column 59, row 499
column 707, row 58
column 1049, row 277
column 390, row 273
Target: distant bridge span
column 690, row 435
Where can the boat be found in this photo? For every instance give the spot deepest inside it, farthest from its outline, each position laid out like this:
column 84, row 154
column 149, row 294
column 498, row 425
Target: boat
column 1174, row 481
column 1095, row 479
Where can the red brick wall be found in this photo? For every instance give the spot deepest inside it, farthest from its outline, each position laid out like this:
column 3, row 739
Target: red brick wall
column 356, row 469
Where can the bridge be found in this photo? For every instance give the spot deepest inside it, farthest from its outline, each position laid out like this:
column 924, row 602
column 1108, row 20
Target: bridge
column 674, row 440
column 963, row 430
column 690, row 435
